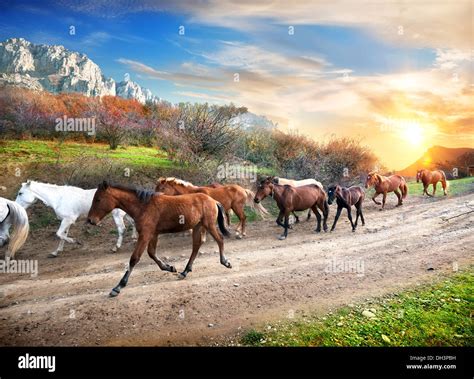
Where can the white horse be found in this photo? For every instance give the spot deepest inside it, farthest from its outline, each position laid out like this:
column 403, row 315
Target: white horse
column 12, row 214
column 296, row 183
column 69, row 203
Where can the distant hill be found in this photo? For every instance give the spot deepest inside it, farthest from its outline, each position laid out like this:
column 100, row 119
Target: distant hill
column 444, row 158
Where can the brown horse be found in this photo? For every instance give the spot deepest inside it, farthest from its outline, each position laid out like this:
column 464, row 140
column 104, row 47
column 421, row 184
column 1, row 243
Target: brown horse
column 384, row 184
column 428, row 177
column 345, row 198
column 290, row 199
column 230, row 196
column 155, row 213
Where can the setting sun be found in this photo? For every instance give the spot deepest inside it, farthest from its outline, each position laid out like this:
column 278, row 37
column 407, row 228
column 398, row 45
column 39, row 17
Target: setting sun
column 413, row 133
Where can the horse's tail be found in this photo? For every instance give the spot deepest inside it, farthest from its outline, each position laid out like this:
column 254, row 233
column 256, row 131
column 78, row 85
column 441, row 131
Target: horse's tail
column 221, row 221
column 257, row 207
column 21, row 227
column 404, row 187
column 444, row 182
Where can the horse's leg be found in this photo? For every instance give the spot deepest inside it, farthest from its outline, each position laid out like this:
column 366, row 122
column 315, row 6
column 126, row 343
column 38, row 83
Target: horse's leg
column 62, row 234
column 443, row 183
column 383, row 200
column 279, row 218
column 434, row 187
column 349, row 216
column 227, row 217
column 399, row 196
column 286, row 226
column 338, row 213
column 360, row 212
column 375, row 195
column 297, row 219
column 318, row 218
column 118, row 219
column 140, row 247
column 239, row 211
column 196, row 245
column 152, row 254
column 220, row 242
column 426, row 190
column 134, row 230
column 309, row 215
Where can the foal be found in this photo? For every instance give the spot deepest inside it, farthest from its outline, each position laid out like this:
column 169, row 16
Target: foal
column 345, row 198
column 290, row 199
column 155, row 213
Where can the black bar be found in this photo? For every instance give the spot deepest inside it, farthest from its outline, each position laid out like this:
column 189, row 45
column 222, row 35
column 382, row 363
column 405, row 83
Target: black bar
column 165, row 362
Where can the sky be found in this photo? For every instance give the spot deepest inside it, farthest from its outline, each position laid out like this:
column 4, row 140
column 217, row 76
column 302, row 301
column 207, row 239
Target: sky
column 397, row 75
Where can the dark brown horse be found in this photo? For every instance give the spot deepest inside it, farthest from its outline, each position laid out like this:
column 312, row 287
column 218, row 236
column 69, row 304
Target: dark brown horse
column 230, row 196
column 428, row 177
column 154, row 214
column 345, row 198
column 290, row 199
column 384, row 184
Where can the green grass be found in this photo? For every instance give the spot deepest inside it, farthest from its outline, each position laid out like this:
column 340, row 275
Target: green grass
column 434, row 315
column 456, row 187
column 25, row 151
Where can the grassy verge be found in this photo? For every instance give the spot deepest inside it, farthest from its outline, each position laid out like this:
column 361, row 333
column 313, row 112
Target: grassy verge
column 456, row 187
column 25, row 151
column 435, row 315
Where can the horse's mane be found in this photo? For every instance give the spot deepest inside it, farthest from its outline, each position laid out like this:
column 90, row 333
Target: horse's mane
column 173, row 180
column 143, row 195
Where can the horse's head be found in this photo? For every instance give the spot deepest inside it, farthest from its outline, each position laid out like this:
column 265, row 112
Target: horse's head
column 372, row 179
column 25, row 196
column 264, row 189
column 102, row 204
column 418, row 175
column 332, row 192
column 166, row 186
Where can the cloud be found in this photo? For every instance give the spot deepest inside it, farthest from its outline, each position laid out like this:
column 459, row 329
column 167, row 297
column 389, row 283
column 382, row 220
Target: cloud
column 436, row 24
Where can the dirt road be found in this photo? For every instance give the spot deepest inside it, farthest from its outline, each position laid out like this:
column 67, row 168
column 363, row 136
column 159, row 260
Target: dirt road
column 68, row 303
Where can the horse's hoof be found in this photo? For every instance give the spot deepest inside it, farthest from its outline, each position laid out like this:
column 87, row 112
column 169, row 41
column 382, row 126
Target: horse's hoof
column 227, row 264
column 238, row 236
column 181, row 275
column 353, row 230
column 281, row 238
column 52, row 255
column 115, row 249
column 114, row 293
column 172, row 269
column 318, row 231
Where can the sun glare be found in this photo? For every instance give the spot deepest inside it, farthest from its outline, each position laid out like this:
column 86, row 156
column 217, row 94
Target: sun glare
column 411, row 131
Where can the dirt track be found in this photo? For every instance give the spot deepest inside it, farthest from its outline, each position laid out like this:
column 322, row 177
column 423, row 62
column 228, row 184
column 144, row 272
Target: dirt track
column 67, row 303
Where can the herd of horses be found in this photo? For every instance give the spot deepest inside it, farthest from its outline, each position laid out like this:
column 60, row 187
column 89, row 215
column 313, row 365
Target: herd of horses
column 179, row 206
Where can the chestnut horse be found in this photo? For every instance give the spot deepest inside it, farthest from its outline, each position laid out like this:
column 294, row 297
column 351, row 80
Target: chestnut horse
column 290, row 199
column 155, row 213
column 428, row 177
column 345, row 198
column 296, row 183
column 230, row 196
column 384, row 184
